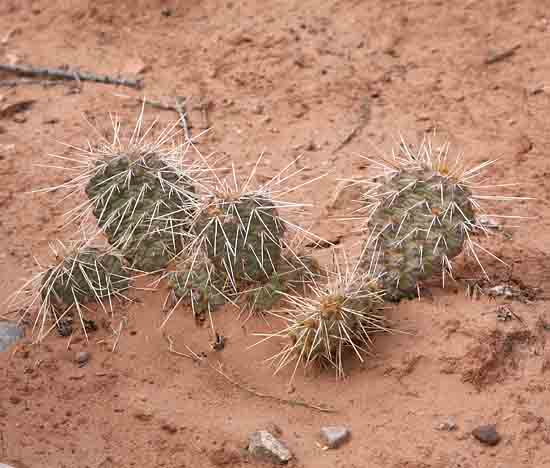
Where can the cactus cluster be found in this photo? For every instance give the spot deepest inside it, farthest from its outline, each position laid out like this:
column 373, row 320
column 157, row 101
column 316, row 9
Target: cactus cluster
column 143, row 204
column 218, row 241
column 421, row 214
column 80, row 273
column 238, row 231
column 343, row 311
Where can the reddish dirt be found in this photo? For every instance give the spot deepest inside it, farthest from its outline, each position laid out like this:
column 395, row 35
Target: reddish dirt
column 286, row 77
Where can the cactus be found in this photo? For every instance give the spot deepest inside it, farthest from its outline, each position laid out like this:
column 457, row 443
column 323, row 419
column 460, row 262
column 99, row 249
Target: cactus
column 297, row 269
column 342, row 313
column 86, row 275
column 82, row 273
column 140, row 190
column 421, row 214
column 144, row 206
column 197, row 283
column 243, row 235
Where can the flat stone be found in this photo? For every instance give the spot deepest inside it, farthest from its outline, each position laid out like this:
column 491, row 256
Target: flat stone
column 334, row 436
column 3, row 465
column 9, row 334
column 487, row 434
column 264, row 445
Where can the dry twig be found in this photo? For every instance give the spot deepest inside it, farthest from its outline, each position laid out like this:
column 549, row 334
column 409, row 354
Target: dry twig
column 364, row 118
column 180, row 108
column 217, row 369
column 28, row 81
column 73, row 75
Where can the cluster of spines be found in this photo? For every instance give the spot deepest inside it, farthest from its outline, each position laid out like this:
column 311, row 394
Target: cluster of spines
column 82, row 272
column 421, row 212
column 342, row 310
column 229, row 241
column 238, row 230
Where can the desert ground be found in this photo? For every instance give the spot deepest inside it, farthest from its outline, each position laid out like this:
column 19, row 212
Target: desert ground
column 333, row 81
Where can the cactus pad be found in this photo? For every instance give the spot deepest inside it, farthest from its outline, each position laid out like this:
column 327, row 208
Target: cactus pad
column 242, row 237
column 419, row 218
column 144, row 206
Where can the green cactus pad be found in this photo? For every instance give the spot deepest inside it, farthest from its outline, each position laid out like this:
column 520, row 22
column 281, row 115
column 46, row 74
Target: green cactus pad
column 144, row 206
column 201, row 287
column 87, row 276
column 418, row 224
column 242, row 237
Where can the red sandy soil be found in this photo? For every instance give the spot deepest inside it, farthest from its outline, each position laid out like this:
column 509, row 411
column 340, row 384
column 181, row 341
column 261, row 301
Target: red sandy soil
column 286, row 77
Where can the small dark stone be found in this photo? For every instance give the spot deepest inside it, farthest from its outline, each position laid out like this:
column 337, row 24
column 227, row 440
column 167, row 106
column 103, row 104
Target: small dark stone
column 487, row 434
column 82, row 358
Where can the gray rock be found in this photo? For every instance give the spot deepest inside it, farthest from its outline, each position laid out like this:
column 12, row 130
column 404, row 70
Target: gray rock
column 334, row 436
column 262, row 444
column 487, row 434
column 82, row 357
column 9, row 334
column 3, row 465
column 448, row 425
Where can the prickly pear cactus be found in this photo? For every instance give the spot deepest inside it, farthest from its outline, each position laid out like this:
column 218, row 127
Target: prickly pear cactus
column 294, row 273
column 88, row 275
column 198, row 285
column 338, row 322
column 339, row 314
column 144, row 206
column 419, row 218
column 242, row 237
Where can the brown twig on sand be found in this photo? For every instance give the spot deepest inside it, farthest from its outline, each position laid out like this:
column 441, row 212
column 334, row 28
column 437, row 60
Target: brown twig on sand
column 288, row 401
column 149, row 102
column 28, row 81
column 495, row 57
column 171, row 349
column 364, row 118
column 180, row 108
column 73, row 75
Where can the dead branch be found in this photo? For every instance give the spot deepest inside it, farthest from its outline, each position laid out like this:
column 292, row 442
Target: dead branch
column 364, row 117
column 180, row 107
column 288, row 401
column 28, row 81
column 73, row 75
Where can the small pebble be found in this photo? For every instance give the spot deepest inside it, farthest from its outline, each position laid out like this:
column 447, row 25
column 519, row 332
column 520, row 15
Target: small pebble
column 487, row 434
column 10, row 333
column 448, row 425
column 263, row 445
column 334, row 436
column 82, row 357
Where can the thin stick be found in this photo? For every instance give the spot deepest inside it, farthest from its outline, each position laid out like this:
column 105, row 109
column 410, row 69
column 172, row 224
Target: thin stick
column 217, row 369
column 497, row 57
column 28, row 81
column 69, row 75
column 149, row 102
column 287, row 401
column 180, row 108
column 117, row 336
column 178, row 353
